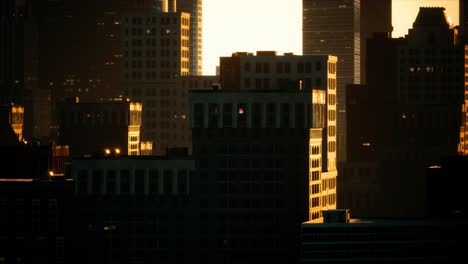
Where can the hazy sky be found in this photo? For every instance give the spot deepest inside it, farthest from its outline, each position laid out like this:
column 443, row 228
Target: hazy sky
column 404, row 13
column 251, row 25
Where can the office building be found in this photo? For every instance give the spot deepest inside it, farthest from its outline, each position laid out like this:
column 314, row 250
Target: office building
column 265, row 159
column 155, row 46
column 195, row 9
column 333, row 28
column 406, row 118
column 107, row 128
column 266, row 70
column 133, row 210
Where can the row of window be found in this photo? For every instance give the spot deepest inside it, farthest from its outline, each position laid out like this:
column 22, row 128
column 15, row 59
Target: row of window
column 269, row 83
column 282, row 67
column 154, row 20
column 273, row 115
column 94, row 118
column 112, row 182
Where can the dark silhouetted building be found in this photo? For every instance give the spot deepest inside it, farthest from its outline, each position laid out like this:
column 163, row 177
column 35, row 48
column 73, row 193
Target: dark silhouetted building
column 447, row 200
column 406, row 118
column 376, row 16
column 265, row 156
column 11, row 52
column 345, row 240
column 332, row 27
column 134, row 210
column 32, row 203
column 107, row 128
column 463, row 19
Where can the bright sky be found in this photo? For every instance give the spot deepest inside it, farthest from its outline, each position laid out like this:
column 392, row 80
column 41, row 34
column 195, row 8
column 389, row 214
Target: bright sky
column 404, row 13
column 250, row 25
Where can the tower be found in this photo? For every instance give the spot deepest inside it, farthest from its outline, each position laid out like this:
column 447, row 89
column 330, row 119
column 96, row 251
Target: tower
column 194, row 8
column 333, row 27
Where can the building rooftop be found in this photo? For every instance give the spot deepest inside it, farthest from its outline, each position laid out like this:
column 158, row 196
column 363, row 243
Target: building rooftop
column 432, row 16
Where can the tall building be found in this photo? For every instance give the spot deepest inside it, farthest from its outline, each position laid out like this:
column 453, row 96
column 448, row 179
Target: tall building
column 11, row 51
column 133, row 210
column 463, row 19
column 195, row 9
column 155, row 46
column 265, row 156
column 156, row 49
column 406, row 118
column 333, row 27
column 376, row 16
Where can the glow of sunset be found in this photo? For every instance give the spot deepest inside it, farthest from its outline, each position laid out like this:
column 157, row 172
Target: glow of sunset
column 249, row 25
column 404, row 13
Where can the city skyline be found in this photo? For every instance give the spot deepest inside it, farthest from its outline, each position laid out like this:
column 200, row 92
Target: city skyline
column 224, row 35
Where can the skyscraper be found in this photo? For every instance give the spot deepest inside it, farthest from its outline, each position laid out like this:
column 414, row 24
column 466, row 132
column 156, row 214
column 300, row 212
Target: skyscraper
column 194, row 8
column 11, row 52
column 376, row 16
column 333, row 27
column 406, row 119
column 265, row 153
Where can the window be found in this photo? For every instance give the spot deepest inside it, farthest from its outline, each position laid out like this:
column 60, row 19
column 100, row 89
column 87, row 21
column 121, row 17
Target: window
column 285, row 116
column 271, row 115
column 124, row 181
column 227, row 115
column 139, row 182
column 213, row 114
column 154, row 182
column 256, row 115
column 299, row 115
column 241, row 116
column 182, row 182
column 97, row 182
column 198, row 115
column 111, row 182
column 167, row 178
column 83, row 181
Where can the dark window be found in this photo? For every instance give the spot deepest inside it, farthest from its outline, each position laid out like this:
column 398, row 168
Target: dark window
column 124, row 181
column 154, row 182
column 167, row 182
column 139, row 182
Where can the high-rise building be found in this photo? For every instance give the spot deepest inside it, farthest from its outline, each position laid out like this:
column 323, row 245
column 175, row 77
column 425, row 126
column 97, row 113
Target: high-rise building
column 376, row 16
column 265, row 155
column 11, row 52
column 406, row 118
column 194, row 8
column 333, row 27
column 155, row 46
column 463, row 19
